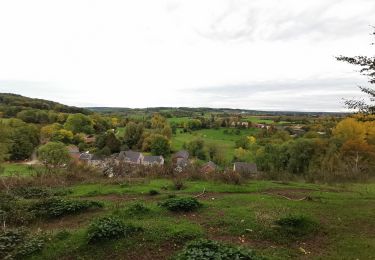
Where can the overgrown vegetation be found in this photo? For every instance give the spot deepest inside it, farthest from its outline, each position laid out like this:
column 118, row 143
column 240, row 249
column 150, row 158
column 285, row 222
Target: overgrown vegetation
column 18, row 244
column 211, row 250
column 57, row 207
column 181, row 204
column 108, row 228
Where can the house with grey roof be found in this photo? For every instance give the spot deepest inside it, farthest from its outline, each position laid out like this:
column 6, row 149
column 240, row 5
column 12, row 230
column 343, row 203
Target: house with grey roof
column 153, row 160
column 181, row 158
column 131, row 157
column 246, row 168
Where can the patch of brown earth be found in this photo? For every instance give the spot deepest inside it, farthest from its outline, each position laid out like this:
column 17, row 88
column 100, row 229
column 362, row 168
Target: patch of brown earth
column 68, row 222
column 293, row 194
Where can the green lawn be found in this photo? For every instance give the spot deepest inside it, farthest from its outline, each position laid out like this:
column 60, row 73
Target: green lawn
column 18, row 169
column 235, row 214
column 212, row 136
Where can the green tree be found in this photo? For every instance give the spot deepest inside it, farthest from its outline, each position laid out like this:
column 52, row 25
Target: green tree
column 133, row 134
column 62, row 135
column 53, row 154
column 196, row 148
column 24, row 140
column 367, row 65
column 79, row 123
column 4, row 142
column 160, row 145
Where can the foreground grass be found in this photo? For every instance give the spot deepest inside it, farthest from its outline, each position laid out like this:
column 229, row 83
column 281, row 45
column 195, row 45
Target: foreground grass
column 237, row 214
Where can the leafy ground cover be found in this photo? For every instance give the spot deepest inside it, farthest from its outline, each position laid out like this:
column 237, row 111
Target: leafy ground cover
column 328, row 222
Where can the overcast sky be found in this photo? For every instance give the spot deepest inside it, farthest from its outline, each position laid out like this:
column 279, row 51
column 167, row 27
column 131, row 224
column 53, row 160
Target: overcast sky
column 254, row 54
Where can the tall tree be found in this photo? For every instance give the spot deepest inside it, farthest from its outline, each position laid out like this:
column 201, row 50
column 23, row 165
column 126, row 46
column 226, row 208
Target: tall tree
column 367, row 65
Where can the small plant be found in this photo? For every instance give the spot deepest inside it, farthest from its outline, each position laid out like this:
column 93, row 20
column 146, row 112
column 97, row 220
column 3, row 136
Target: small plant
column 63, row 234
column 137, row 209
column 17, row 244
column 297, row 226
column 207, row 249
column 109, row 228
column 178, row 184
column 56, row 207
column 181, row 204
column 153, row 192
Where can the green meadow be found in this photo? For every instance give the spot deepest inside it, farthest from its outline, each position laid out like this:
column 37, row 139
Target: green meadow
column 243, row 215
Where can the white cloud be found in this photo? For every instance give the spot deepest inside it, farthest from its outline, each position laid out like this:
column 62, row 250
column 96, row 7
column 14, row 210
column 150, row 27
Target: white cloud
column 148, row 52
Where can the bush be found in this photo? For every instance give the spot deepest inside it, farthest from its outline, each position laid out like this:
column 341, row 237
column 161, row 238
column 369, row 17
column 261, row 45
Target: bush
column 181, row 204
column 17, row 244
column 153, row 192
column 56, row 207
column 297, row 226
column 37, row 192
column 109, row 228
column 13, row 212
column 207, row 249
column 137, row 209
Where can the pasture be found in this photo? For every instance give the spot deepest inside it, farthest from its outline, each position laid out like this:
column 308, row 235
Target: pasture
column 243, row 215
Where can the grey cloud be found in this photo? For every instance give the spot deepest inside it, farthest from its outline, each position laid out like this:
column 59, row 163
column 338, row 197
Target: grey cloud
column 313, row 23
column 302, row 95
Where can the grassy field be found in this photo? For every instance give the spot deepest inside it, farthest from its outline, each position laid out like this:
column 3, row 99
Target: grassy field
column 237, row 214
column 213, row 136
column 17, row 169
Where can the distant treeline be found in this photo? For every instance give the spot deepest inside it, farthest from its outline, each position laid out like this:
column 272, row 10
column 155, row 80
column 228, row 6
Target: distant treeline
column 33, row 110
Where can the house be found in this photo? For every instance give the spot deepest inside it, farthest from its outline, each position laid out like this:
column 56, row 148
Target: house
column 243, row 167
column 153, row 160
column 90, row 159
column 73, row 151
column 183, row 154
column 85, row 157
column 181, row 158
column 131, row 157
column 208, row 167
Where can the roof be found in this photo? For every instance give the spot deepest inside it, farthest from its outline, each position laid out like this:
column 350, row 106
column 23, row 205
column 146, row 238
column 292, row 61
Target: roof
column 72, row 149
column 182, row 154
column 130, row 156
column 210, row 164
column 153, row 159
column 85, row 156
column 245, row 167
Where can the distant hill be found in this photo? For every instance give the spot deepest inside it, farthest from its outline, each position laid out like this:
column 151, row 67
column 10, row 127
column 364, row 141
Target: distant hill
column 11, row 104
column 188, row 111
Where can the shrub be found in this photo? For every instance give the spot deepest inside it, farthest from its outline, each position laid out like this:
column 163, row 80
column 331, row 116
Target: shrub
column 38, row 192
column 18, row 244
column 12, row 211
column 137, row 209
column 181, row 204
column 56, row 207
column 153, row 192
column 109, row 228
column 207, row 249
column 297, row 226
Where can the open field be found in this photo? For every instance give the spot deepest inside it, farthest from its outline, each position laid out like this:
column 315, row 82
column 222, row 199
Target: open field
column 237, row 214
column 226, row 142
column 18, row 169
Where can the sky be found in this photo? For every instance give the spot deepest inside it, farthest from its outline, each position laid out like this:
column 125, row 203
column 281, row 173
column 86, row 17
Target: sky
column 249, row 54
